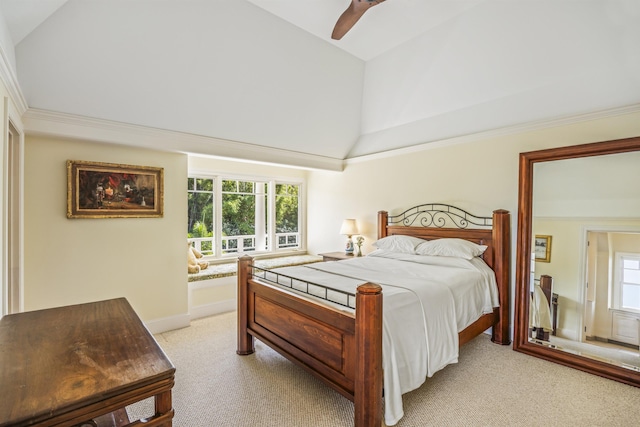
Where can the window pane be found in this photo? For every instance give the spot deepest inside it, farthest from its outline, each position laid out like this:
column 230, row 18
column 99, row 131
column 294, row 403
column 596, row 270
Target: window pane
column 631, row 296
column 631, row 263
column 238, row 214
column 248, row 244
column 204, row 184
column 244, row 215
column 207, row 247
column 200, row 214
column 631, row 276
column 287, row 204
column 245, row 187
column 229, row 185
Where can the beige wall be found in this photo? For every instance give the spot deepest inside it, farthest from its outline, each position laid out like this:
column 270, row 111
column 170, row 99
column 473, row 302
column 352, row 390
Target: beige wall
column 479, row 177
column 567, row 268
column 69, row 261
column 72, row 261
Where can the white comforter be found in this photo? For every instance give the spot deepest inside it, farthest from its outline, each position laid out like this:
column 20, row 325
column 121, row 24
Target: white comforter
column 426, row 301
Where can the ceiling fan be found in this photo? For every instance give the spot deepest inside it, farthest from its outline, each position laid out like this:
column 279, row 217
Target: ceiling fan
column 349, row 17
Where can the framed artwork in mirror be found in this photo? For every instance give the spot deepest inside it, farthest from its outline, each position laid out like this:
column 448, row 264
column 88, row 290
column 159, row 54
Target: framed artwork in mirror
column 542, row 251
column 109, row 190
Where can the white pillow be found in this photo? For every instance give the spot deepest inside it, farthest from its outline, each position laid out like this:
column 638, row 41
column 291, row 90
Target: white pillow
column 399, row 243
column 451, row 247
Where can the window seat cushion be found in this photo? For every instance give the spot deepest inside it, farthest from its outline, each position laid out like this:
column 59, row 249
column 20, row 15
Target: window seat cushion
column 217, row 271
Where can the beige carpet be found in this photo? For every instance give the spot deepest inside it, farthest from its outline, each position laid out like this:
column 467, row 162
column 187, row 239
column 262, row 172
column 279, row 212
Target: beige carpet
column 491, row 385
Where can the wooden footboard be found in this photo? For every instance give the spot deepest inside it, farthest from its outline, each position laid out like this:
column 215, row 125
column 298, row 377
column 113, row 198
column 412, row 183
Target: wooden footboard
column 342, row 349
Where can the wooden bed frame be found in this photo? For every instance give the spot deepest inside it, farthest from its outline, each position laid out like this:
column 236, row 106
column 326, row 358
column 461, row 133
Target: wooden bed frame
column 344, row 349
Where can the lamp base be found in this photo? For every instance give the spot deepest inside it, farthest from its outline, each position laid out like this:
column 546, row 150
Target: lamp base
column 348, row 250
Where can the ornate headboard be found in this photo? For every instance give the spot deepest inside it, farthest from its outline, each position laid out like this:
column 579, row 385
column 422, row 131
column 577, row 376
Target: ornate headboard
column 436, row 221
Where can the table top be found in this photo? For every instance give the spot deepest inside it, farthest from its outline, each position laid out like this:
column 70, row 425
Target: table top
column 337, row 255
column 56, row 360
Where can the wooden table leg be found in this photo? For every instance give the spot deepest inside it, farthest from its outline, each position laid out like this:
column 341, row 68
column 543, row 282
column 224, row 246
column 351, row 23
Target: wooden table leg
column 163, row 405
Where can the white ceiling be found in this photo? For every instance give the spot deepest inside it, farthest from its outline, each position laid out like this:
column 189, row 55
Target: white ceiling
column 382, row 28
column 266, row 74
column 23, row 16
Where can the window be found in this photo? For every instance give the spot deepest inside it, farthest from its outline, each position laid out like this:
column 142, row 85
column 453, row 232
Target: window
column 201, row 202
column 626, row 285
column 229, row 216
column 287, row 215
column 244, row 216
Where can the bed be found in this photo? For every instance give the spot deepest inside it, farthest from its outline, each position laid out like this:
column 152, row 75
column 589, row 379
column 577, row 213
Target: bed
column 338, row 334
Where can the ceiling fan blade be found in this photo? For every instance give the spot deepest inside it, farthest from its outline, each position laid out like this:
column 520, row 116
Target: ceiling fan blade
column 349, row 17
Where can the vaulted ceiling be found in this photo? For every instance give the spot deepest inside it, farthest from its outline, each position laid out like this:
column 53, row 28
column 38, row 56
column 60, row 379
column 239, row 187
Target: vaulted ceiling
column 265, row 74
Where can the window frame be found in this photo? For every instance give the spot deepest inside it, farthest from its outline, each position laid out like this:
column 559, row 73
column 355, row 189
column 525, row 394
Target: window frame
column 271, row 182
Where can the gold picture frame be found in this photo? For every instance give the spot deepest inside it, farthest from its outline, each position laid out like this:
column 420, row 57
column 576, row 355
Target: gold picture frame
column 542, row 248
column 110, row 190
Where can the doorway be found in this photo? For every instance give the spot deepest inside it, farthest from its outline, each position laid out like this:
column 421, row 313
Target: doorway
column 13, row 222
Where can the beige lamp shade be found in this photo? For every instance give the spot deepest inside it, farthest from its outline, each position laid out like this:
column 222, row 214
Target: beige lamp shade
column 349, row 227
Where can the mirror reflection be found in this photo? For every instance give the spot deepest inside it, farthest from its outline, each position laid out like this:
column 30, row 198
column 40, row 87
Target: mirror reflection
column 585, row 257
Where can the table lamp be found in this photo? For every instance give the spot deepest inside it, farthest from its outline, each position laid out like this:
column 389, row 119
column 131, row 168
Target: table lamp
column 349, row 228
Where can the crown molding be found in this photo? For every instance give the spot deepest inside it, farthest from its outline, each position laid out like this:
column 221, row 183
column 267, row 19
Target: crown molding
column 494, row 133
column 62, row 125
column 10, row 82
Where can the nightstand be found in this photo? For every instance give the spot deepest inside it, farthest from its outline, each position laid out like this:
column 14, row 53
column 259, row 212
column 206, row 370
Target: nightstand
column 335, row 256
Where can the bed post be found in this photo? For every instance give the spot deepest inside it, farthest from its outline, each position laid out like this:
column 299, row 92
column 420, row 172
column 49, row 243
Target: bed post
column 501, row 259
column 368, row 376
column 245, row 340
column 383, row 218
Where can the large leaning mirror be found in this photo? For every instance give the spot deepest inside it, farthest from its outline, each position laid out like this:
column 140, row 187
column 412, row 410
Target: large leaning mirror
column 578, row 258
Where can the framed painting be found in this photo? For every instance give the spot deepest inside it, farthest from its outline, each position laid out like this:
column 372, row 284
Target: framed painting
column 109, row 190
column 542, row 248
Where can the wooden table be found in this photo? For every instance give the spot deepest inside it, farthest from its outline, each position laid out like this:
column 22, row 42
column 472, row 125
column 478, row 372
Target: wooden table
column 335, row 256
column 69, row 365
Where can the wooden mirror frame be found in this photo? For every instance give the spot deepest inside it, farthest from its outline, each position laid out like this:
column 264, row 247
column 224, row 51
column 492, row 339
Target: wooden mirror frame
column 523, row 259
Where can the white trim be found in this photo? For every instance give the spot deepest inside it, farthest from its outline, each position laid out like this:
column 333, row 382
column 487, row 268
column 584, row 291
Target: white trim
column 52, row 123
column 57, row 124
column 157, row 326
column 43, row 122
column 9, row 219
column 10, row 81
column 206, row 310
column 509, row 130
column 207, row 173
column 4, row 214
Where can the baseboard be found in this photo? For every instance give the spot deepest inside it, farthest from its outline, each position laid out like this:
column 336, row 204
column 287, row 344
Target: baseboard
column 615, row 342
column 206, row 310
column 158, row 326
column 569, row 334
